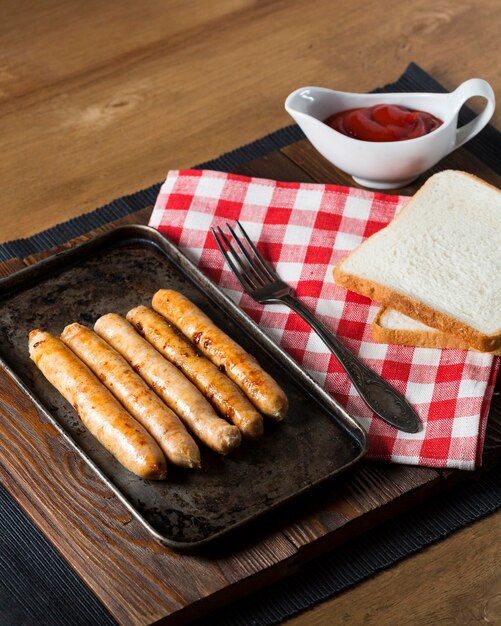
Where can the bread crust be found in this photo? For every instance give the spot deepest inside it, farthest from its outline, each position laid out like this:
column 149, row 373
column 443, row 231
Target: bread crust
column 418, row 311
column 416, row 338
column 413, row 308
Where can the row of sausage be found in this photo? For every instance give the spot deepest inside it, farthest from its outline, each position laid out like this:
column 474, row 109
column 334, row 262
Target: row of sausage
column 147, row 384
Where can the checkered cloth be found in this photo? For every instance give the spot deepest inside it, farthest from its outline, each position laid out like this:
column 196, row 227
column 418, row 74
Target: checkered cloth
column 304, row 230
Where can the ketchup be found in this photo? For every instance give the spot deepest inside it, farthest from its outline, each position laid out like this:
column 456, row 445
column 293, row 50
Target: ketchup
column 383, row 122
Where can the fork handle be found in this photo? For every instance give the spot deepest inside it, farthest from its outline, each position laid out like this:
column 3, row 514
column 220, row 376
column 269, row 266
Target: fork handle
column 379, row 395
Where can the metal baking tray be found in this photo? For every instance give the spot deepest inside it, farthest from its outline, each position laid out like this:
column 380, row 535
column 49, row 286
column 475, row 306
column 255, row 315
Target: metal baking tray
column 117, row 271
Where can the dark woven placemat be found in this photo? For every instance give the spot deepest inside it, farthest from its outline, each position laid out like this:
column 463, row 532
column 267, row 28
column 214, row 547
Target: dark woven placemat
column 38, row 587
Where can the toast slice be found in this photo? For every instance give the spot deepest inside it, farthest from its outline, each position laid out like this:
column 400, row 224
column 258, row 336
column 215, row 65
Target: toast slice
column 390, row 326
column 439, row 260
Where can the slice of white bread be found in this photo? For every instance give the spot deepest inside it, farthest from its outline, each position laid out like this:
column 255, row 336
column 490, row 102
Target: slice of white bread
column 390, row 326
column 439, row 260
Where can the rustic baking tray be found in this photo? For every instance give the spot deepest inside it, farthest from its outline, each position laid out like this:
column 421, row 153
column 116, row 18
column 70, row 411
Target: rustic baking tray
column 115, row 272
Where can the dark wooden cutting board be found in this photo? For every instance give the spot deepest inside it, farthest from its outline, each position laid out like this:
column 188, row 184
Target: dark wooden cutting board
column 138, row 580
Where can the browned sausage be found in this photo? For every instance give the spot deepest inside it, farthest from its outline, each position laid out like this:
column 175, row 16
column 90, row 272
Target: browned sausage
column 168, row 382
column 238, row 364
column 101, row 413
column 218, row 388
column 141, row 402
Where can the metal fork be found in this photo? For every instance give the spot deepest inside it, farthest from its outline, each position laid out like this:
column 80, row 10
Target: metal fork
column 265, row 286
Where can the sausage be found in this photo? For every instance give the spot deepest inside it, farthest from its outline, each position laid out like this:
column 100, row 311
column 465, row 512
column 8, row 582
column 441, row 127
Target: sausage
column 130, row 389
column 261, row 389
column 101, row 413
column 169, row 383
column 224, row 395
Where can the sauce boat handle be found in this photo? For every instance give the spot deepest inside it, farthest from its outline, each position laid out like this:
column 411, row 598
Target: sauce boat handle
column 469, row 89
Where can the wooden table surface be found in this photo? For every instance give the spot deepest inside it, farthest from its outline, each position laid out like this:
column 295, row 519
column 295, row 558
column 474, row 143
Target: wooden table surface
column 99, row 99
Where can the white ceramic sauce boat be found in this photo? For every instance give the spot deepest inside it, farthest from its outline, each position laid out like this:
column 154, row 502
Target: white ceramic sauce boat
column 392, row 164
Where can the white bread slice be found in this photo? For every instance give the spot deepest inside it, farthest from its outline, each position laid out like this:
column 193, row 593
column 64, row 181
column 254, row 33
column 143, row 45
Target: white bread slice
column 439, row 260
column 390, row 326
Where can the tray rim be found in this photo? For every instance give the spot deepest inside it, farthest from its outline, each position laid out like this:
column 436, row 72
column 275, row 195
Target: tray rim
column 129, row 233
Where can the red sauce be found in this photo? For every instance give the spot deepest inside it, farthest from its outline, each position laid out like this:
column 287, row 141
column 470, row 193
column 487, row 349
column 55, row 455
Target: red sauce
column 383, row 122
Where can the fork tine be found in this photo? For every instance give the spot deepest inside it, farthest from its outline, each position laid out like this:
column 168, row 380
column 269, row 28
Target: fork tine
column 246, row 270
column 270, row 274
column 243, row 279
column 254, row 266
column 228, row 258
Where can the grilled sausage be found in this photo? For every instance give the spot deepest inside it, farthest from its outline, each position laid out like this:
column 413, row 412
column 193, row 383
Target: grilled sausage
column 168, row 382
column 216, row 387
column 101, row 413
column 261, row 389
column 141, row 402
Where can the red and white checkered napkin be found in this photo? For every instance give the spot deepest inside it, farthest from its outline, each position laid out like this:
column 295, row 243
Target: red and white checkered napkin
column 304, row 230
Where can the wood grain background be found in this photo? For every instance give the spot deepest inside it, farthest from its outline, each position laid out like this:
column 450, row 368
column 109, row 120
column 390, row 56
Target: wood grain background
column 100, row 99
